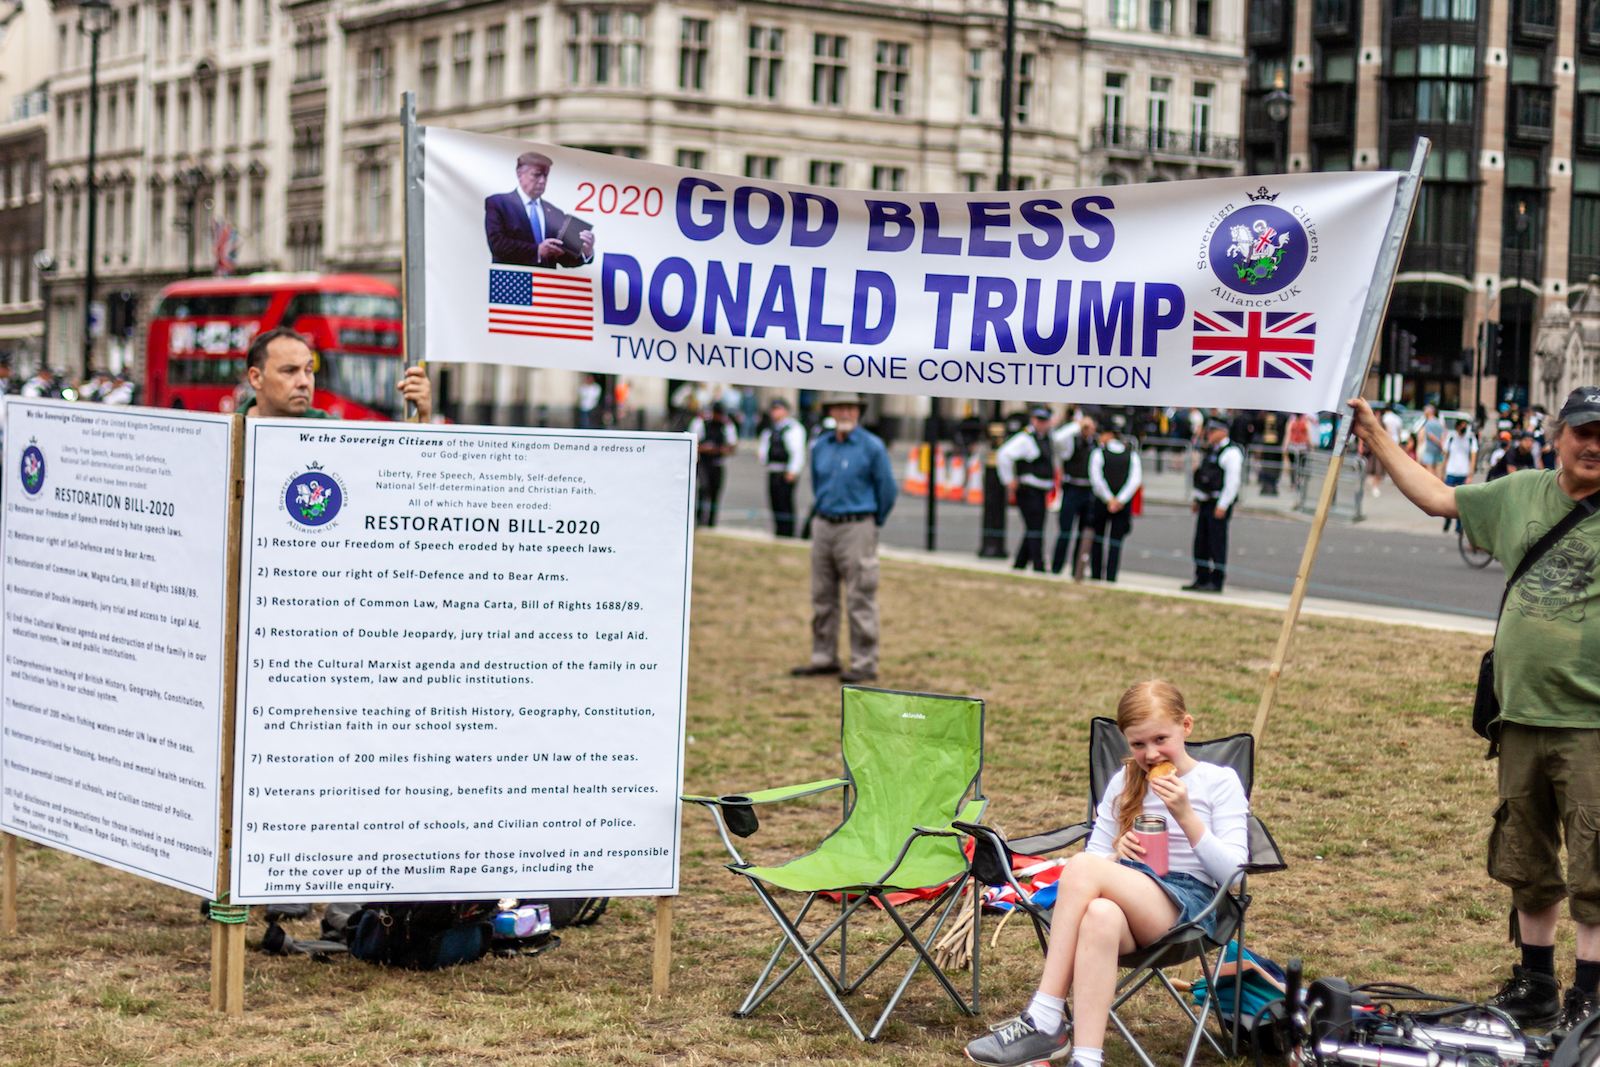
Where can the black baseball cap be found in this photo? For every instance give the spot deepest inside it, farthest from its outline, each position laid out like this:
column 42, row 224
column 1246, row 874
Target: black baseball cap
column 1039, row 411
column 1582, row 406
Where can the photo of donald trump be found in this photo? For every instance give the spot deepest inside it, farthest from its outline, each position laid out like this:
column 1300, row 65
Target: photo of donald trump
column 526, row 229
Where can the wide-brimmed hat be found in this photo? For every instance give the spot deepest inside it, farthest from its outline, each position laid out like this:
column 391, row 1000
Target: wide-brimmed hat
column 836, row 399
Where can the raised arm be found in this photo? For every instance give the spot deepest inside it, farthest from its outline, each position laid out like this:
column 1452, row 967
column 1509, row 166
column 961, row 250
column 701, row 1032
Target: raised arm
column 1412, row 479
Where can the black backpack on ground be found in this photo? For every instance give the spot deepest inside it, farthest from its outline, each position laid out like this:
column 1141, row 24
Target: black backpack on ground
column 581, row 911
column 422, row 935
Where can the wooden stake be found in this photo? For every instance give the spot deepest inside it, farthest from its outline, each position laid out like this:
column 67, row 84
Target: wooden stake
column 661, row 970
column 1308, row 559
column 227, row 939
column 8, row 886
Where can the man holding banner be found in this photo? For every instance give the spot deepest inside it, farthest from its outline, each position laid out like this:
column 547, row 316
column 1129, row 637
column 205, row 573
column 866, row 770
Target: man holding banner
column 281, row 367
column 1546, row 680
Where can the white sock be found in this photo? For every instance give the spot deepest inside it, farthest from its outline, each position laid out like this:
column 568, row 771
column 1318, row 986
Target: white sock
column 1087, row 1057
column 1047, row 1012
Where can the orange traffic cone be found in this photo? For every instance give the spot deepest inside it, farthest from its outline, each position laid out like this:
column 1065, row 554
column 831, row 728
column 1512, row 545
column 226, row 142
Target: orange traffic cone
column 916, row 483
column 955, row 483
column 975, row 480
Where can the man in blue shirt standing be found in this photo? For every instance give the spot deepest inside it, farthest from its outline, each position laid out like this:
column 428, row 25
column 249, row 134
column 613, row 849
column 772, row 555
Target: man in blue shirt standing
column 852, row 484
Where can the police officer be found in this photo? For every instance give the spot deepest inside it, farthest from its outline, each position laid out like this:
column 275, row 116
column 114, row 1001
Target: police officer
column 1074, row 444
column 1027, row 465
column 1216, row 487
column 853, row 485
column 782, row 449
column 1115, row 475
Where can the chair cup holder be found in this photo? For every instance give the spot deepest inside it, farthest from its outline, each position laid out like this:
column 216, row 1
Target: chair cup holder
column 739, row 816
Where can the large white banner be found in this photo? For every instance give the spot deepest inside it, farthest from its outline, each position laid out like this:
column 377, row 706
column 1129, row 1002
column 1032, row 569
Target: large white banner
column 115, row 567
column 1227, row 292
column 463, row 662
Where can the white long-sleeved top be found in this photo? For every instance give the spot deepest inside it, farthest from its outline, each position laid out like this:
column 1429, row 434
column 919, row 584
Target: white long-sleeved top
column 1230, row 458
column 1218, row 799
column 794, row 439
column 1097, row 474
column 1022, row 448
column 1066, row 438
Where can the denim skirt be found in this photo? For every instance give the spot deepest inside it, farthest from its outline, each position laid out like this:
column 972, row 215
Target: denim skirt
column 1188, row 894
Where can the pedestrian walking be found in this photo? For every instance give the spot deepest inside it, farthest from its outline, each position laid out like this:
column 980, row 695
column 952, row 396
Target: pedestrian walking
column 852, row 483
column 782, row 450
column 1027, row 466
column 1298, row 447
column 589, row 393
column 1074, row 443
column 1431, row 448
column 1546, row 679
column 1216, row 488
column 1272, row 428
column 1115, row 475
column 718, row 438
column 1460, row 456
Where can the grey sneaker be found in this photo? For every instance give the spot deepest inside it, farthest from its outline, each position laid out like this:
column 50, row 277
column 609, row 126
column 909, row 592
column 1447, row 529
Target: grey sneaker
column 1017, row 1041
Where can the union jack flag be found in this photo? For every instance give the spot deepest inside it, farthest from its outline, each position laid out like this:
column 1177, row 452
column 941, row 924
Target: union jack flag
column 1254, row 344
column 541, row 303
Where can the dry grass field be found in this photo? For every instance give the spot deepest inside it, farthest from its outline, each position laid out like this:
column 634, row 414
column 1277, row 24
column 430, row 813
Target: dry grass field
column 1370, row 779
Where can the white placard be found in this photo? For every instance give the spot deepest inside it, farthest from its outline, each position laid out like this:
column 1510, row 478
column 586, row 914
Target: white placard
column 115, row 571
column 463, row 662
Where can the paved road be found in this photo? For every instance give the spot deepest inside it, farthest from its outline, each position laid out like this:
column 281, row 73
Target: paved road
column 1355, row 563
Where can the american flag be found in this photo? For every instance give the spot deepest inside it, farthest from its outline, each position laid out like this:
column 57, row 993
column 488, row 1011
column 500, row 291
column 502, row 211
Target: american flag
column 1254, row 344
column 541, row 303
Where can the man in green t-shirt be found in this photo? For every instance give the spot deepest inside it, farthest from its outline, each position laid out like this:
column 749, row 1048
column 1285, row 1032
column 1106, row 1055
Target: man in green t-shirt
column 1547, row 678
column 281, row 368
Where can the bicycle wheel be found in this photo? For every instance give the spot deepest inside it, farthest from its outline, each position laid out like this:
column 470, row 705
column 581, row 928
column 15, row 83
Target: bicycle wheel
column 1471, row 553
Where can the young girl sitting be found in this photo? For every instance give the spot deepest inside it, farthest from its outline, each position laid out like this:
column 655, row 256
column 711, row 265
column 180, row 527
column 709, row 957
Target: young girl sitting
column 1108, row 900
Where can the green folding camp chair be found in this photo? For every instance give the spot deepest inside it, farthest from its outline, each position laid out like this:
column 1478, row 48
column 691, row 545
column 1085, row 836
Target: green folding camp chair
column 913, row 764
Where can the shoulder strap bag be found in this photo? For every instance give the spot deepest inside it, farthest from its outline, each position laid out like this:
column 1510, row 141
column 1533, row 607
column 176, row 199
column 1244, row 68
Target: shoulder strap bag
column 1485, row 705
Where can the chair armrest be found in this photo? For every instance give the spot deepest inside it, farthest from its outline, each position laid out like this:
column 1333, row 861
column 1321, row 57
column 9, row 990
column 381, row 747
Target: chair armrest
column 969, row 815
column 772, row 796
column 1051, row 840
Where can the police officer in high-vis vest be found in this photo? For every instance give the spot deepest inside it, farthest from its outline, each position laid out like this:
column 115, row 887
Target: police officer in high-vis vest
column 1115, row 475
column 782, row 449
column 1216, row 487
column 1027, row 466
column 1074, row 444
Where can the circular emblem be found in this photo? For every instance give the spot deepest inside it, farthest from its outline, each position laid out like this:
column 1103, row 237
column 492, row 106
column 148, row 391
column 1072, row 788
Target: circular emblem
column 313, row 498
column 1258, row 249
column 32, row 470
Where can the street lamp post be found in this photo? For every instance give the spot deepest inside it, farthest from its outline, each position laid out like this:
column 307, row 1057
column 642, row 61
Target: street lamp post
column 1516, row 342
column 1007, row 91
column 94, row 19
column 1279, row 103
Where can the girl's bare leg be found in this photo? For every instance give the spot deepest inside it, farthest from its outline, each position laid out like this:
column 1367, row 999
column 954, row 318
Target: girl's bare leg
column 1148, row 913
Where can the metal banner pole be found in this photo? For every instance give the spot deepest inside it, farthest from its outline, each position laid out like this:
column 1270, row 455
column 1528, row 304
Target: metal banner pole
column 413, row 280
column 1366, row 346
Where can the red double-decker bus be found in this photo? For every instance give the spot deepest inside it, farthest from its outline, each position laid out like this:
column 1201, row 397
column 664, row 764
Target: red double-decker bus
column 201, row 329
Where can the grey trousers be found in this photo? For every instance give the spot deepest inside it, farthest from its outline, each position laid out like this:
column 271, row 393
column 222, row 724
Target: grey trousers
column 845, row 552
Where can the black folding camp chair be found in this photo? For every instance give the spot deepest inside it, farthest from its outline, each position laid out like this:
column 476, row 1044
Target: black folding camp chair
column 991, row 865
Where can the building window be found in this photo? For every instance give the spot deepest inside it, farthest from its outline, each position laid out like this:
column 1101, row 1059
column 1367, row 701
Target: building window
column 1161, row 16
column 1158, row 111
column 261, row 106
column 691, row 159
column 112, row 126
column 1124, row 14
column 372, row 201
column 161, row 119
column 1438, row 10
column 974, row 83
column 823, row 172
column 1584, row 249
column 264, row 26
column 307, row 150
column 428, row 75
column 494, row 62
column 372, row 82
column 530, row 55
column 1115, row 104
column 461, row 67
column 163, row 33
column 238, row 21
column 1202, row 18
column 972, row 182
column 1429, row 98
column 186, row 37
column 183, row 121
column 1025, row 65
column 235, row 111
column 765, row 167
column 208, row 117
column 1200, row 116
column 258, row 217
column 764, row 72
column 893, row 72
column 693, row 54
column 829, row 52
column 308, row 53
column 605, row 47
column 211, row 23
column 889, row 179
